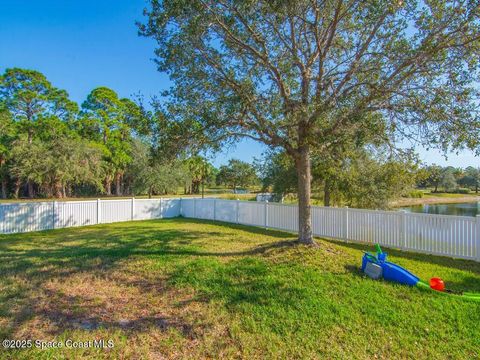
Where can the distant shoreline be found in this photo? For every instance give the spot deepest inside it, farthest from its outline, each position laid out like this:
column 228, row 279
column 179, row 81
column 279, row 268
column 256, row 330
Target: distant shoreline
column 433, row 200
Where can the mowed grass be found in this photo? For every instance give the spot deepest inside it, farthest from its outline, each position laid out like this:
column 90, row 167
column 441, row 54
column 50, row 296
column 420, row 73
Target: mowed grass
column 182, row 288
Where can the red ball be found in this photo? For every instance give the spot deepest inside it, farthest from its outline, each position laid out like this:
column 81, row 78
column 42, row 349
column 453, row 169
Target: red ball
column 437, row 284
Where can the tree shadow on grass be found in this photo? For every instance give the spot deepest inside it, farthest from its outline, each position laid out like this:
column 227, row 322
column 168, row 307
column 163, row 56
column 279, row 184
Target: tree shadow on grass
column 232, row 226
column 91, row 317
column 40, row 257
column 54, row 258
column 242, row 281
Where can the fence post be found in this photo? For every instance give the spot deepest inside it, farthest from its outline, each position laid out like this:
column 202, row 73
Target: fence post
column 194, row 208
column 403, row 232
column 478, row 237
column 266, row 214
column 54, row 217
column 237, row 205
column 99, row 216
column 161, row 208
column 181, row 206
column 346, row 223
column 132, row 214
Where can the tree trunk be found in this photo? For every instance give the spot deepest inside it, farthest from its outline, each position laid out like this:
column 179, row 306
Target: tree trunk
column 4, row 188
column 303, row 167
column 31, row 192
column 48, row 190
column 326, row 193
column 436, row 188
column 196, row 187
column 58, row 190
column 118, row 183
column 108, row 186
column 4, row 179
column 16, row 191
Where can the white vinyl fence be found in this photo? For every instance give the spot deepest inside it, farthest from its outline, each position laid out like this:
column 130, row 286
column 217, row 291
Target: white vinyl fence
column 35, row 216
column 455, row 236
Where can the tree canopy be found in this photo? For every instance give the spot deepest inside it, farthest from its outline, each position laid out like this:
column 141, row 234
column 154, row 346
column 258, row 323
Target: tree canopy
column 30, row 97
column 237, row 173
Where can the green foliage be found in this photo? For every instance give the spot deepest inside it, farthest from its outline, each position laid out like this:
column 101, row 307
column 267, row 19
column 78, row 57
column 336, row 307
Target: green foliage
column 470, row 178
column 431, row 176
column 447, row 179
column 358, row 178
column 415, row 194
column 237, row 173
column 277, row 172
column 199, row 171
column 113, row 121
column 151, row 177
column 30, row 97
column 107, row 121
column 8, row 133
column 7, row 130
column 57, row 164
column 372, row 181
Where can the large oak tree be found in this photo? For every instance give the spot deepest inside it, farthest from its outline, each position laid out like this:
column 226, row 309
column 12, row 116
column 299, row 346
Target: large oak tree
column 304, row 75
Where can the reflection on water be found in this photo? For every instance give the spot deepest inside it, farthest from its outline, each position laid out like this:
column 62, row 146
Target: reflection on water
column 462, row 209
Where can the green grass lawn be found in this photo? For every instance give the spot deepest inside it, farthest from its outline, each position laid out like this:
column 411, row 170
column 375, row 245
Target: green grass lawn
column 191, row 289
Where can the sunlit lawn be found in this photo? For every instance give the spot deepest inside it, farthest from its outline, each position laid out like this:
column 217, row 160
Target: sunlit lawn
column 191, row 289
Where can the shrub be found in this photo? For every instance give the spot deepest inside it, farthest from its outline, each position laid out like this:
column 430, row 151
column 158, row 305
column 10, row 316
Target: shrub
column 416, row 194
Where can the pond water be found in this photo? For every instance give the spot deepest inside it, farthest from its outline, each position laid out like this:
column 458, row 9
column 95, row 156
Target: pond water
column 461, row 209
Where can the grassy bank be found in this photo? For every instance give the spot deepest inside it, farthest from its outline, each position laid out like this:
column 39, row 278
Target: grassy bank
column 192, row 289
column 436, row 198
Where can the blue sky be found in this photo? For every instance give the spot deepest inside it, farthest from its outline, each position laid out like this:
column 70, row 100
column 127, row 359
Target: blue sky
column 80, row 45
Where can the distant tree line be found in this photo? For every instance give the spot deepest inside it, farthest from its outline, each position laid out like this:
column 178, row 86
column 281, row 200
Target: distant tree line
column 450, row 179
column 52, row 147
